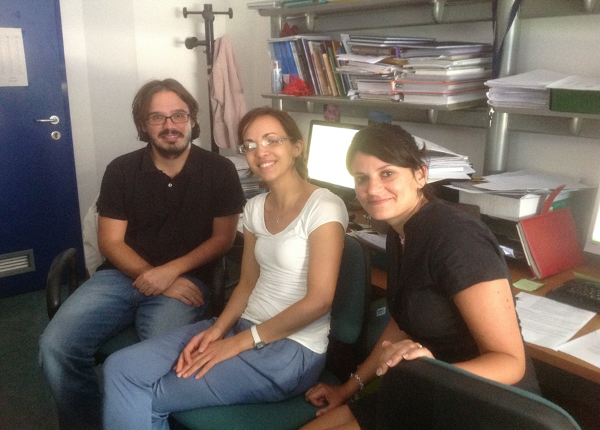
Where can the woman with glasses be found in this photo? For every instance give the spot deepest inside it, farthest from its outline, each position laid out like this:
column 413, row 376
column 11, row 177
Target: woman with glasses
column 448, row 289
column 270, row 341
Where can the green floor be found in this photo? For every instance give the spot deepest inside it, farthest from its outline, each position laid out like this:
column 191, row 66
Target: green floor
column 25, row 399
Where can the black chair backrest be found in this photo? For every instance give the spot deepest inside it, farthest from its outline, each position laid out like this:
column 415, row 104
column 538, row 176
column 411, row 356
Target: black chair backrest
column 432, row 394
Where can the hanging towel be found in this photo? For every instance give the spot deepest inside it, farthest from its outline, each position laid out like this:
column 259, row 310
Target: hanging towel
column 226, row 94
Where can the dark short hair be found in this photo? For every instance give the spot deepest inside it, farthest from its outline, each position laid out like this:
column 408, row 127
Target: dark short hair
column 287, row 122
column 391, row 144
column 143, row 98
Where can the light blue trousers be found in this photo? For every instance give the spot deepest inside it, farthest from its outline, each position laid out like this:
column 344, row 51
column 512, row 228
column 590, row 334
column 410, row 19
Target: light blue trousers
column 141, row 388
column 100, row 308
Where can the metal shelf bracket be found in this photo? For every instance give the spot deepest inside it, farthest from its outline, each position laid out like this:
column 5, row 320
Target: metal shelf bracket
column 589, row 5
column 575, row 125
column 432, row 115
column 438, row 10
column 309, row 21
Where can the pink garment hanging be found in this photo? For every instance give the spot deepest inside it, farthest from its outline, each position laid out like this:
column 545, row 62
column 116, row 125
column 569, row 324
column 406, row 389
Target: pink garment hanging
column 226, row 94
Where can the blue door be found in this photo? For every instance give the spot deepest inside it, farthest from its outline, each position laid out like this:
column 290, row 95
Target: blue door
column 39, row 209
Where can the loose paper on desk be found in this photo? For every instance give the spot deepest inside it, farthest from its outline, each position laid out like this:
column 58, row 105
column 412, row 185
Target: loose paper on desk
column 527, row 180
column 586, row 348
column 546, row 322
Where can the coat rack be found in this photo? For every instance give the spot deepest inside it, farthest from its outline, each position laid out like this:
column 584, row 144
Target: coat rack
column 191, row 42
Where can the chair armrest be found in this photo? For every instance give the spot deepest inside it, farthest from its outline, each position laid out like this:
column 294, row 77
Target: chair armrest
column 66, row 260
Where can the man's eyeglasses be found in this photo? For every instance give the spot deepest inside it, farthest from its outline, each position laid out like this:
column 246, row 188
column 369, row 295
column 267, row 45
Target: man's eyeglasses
column 270, row 140
column 176, row 118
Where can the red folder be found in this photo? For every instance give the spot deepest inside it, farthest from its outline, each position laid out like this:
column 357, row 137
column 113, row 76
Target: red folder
column 550, row 240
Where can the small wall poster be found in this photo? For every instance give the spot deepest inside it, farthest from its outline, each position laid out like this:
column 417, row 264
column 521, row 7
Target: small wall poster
column 13, row 71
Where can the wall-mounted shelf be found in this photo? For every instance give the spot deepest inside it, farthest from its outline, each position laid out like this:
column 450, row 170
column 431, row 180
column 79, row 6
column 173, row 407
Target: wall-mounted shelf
column 373, row 14
column 550, row 122
column 465, row 114
column 342, row 17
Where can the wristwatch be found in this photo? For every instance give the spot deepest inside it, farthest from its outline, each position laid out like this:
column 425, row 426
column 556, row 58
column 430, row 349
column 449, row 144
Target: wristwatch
column 258, row 342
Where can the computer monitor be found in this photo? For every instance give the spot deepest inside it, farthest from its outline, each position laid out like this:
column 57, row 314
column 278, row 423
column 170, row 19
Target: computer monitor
column 592, row 242
column 328, row 143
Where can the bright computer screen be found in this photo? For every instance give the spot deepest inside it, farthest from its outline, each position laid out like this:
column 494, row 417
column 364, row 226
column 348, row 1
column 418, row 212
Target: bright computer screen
column 592, row 243
column 328, row 143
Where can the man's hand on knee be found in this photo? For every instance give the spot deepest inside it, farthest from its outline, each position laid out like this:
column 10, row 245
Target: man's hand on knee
column 156, row 280
column 185, row 291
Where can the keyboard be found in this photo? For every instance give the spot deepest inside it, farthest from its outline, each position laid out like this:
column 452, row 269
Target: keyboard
column 579, row 293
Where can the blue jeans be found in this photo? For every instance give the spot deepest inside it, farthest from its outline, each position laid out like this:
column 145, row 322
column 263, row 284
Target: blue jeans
column 141, row 388
column 99, row 309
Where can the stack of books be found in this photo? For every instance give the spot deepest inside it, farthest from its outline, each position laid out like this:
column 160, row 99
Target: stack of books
column 445, row 73
column 389, row 46
column 416, row 70
column 439, row 91
column 373, row 62
column 311, row 58
column 370, row 77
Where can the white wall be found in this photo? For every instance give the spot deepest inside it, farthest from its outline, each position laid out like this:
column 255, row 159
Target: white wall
column 568, row 45
column 114, row 46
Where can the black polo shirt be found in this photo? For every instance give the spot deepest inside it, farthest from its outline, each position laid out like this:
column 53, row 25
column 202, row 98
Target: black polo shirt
column 169, row 217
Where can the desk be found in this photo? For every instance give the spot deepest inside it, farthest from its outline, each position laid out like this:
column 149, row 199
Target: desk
column 520, row 270
column 558, row 359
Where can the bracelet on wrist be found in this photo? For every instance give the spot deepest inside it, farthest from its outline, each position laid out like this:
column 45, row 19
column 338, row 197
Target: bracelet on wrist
column 361, row 384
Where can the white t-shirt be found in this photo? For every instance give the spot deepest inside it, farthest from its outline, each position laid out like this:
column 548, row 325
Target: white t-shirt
column 283, row 260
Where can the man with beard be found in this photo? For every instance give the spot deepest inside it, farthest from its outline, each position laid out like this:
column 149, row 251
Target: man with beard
column 166, row 212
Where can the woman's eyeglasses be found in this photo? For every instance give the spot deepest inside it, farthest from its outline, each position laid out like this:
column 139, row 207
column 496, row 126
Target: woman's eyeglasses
column 270, row 140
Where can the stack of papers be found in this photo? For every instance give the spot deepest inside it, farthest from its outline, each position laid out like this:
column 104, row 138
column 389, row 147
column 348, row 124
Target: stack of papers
column 370, row 75
column 525, row 90
column 375, row 65
column 443, row 163
column 551, row 324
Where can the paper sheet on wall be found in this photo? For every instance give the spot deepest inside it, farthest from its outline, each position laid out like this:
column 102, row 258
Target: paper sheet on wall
column 13, row 71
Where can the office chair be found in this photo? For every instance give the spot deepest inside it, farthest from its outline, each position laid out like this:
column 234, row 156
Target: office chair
column 432, row 394
column 64, row 267
column 348, row 319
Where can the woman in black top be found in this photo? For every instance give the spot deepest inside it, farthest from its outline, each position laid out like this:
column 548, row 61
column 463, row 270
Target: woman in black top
column 448, row 285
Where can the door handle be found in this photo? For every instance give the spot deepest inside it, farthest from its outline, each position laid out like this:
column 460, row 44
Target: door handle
column 52, row 120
